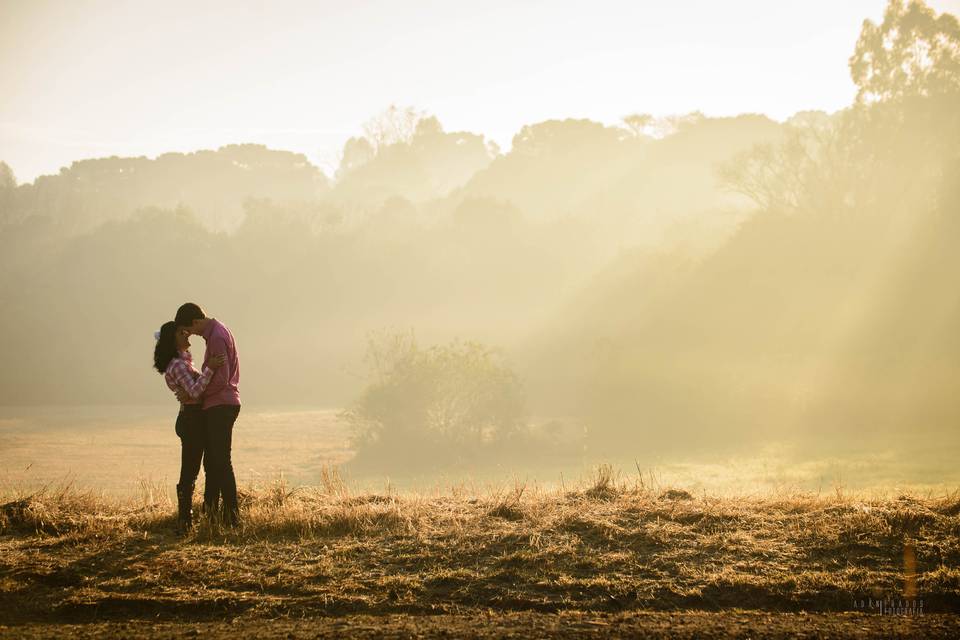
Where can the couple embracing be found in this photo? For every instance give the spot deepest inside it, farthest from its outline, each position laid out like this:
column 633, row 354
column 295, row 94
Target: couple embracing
column 209, row 405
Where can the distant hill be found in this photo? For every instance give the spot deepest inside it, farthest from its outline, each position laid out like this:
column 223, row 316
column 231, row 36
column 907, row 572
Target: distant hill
column 212, row 184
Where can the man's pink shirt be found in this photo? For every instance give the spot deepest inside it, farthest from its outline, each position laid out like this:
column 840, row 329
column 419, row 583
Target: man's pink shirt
column 223, row 387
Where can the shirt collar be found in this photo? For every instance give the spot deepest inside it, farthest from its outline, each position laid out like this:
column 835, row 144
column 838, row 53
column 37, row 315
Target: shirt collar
column 186, row 355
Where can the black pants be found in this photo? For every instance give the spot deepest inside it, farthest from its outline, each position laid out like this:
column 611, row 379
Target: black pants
column 217, row 465
column 190, row 428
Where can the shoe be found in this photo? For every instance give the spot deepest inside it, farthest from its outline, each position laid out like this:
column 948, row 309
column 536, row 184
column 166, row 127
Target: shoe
column 184, row 508
column 231, row 518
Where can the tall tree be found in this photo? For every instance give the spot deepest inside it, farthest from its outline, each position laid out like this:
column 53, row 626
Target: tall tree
column 395, row 124
column 7, row 179
column 912, row 52
column 638, row 123
column 8, row 183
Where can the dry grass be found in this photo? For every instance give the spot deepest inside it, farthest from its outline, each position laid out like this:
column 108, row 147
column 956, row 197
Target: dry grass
column 609, row 544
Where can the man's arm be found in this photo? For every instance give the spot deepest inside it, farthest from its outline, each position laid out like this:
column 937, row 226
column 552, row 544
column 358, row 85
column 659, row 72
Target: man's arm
column 218, row 347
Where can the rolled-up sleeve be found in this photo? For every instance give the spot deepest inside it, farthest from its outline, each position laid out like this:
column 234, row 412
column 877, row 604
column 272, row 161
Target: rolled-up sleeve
column 192, row 385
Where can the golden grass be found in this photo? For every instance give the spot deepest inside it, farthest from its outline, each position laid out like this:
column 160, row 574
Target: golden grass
column 608, row 544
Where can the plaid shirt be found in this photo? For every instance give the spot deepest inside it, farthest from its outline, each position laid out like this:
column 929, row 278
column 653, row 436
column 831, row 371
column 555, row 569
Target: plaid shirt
column 180, row 373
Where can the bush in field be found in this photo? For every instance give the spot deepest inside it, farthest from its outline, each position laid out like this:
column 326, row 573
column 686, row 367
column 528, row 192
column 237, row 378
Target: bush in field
column 458, row 400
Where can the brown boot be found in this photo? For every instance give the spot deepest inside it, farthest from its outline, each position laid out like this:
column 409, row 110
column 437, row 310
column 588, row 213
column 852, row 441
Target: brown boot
column 184, row 508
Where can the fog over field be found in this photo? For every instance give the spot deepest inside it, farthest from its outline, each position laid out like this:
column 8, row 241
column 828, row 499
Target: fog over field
column 711, row 284
column 545, row 319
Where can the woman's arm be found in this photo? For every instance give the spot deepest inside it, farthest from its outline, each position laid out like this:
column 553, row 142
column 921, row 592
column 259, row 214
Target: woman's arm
column 192, row 385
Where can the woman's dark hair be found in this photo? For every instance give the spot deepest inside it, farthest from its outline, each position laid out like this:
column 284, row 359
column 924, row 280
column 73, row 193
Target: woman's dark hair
column 166, row 349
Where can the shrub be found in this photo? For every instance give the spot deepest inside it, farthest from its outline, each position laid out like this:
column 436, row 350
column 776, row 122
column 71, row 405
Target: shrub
column 455, row 401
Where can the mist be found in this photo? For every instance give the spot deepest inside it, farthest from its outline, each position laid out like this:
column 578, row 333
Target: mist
column 658, row 286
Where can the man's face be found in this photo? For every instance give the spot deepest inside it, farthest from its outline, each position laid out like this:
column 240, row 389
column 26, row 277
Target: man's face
column 196, row 327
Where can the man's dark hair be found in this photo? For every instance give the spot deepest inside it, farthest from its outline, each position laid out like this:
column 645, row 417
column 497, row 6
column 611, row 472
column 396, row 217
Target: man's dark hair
column 166, row 347
column 187, row 313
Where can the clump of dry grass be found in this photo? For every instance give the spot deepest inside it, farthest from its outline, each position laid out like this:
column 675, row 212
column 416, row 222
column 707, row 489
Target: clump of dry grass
column 604, row 483
column 66, row 510
column 508, row 505
column 607, row 544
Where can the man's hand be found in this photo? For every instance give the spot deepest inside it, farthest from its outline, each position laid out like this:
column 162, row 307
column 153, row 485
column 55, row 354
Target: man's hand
column 183, row 397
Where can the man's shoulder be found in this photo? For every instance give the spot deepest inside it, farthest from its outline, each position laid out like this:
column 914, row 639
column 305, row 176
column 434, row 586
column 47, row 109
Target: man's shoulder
column 221, row 330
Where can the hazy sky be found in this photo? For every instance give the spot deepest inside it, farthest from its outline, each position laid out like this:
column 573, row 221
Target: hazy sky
column 83, row 78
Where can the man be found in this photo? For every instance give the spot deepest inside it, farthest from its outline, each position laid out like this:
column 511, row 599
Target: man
column 221, row 405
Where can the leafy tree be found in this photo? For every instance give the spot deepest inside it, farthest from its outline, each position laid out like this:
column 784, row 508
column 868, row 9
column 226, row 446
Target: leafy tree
column 394, row 125
column 426, row 128
column 214, row 184
column 407, row 154
column 7, row 180
column 907, row 71
column 912, row 52
column 638, row 123
column 485, row 216
column 811, row 168
column 8, row 184
column 357, row 151
column 564, row 138
column 458, row 397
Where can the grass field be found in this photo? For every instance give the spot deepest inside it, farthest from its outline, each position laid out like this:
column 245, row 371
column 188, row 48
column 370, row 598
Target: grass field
column 607, row 554
column 121, row 451
column 118, row 449
column 601, row 553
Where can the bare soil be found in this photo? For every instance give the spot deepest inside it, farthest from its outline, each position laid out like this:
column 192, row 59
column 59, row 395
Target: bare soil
column 638, row 624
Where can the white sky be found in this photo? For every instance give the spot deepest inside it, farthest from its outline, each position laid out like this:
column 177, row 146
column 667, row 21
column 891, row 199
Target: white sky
column 91, row 78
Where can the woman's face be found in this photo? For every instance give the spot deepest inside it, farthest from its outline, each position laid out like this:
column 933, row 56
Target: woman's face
column 183, row 339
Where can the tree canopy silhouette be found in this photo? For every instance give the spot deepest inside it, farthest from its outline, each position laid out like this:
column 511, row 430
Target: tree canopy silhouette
column 913, row 52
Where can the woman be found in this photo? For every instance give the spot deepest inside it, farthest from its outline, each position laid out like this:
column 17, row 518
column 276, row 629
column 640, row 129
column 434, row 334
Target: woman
column 172, row 358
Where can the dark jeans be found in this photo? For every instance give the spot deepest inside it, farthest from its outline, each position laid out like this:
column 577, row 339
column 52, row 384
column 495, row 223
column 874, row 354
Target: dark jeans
column 217, row 465
column 190, row 428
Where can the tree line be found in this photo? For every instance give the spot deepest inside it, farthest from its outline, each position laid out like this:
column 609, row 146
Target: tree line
column 661, row 281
